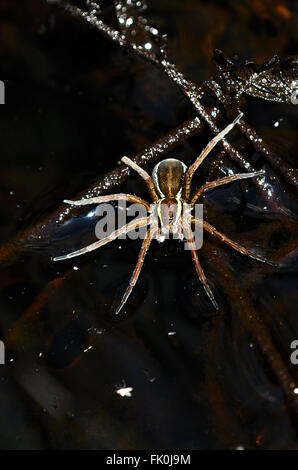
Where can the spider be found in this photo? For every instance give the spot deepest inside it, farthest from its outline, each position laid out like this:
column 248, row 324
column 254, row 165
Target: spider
column 170, row 191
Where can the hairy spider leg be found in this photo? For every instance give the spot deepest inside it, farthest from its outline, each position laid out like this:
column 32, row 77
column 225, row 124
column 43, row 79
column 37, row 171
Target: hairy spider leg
column 146, row 177
column 199, row 269
column 107, row 198
column 141, row 222
column 221, row 181
column 203, row 155
column 135, row 275
column 213, row 231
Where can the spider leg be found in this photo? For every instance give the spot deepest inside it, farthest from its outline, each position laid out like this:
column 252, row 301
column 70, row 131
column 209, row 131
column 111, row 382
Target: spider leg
column 213, row 231
column 135, row 275
column 141, row 222
column 143, row 173
column 203, row 155
column 221, row 181
column 180, row 232
column 109, row 197
column 199, row 269
column 159, row 237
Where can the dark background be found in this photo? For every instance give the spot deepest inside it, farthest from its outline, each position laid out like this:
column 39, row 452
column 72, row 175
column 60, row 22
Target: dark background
column 75, row 104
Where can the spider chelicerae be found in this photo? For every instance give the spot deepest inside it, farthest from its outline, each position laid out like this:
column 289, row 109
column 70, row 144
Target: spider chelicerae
column 173, row 201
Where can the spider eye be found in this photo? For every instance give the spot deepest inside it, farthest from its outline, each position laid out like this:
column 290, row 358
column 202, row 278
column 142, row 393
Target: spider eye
column 168, row 177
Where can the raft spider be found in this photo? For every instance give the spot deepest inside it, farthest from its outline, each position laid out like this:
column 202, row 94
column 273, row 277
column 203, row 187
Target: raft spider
column 169, row 188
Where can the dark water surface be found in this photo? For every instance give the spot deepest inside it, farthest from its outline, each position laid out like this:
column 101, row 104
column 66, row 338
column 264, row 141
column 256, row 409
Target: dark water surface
column 201, row 379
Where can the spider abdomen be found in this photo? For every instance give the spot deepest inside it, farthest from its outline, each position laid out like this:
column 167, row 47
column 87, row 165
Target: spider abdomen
column 168, row 176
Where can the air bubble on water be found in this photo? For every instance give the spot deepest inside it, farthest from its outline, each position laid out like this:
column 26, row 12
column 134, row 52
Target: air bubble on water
column 123, row 390
column 214, row 112
column 129, row 21
column 91, row 213
column 99, row 331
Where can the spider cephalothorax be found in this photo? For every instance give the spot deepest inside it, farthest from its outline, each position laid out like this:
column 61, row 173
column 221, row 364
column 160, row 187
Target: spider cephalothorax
column 170, row 191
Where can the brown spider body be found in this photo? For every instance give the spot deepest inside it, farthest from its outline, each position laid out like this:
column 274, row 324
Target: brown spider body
column 167, row 177
column 170, row 190
column 169, row 212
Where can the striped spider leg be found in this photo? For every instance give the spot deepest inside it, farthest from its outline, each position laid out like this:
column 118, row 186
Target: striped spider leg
column 191, row 245
column 137, row 223
column 223, row 238
column 191, row 199
column 191, row 170
column 135, row 275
